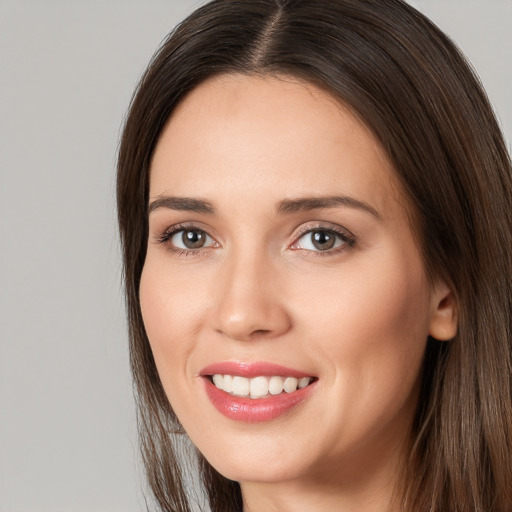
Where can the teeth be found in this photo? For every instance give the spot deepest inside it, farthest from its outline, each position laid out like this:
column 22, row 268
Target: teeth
column 304, row 382
column 218, row 380
column 227, row 383
column 275, row 385
column 259, row 387
column 290, row 384
column 240, row 386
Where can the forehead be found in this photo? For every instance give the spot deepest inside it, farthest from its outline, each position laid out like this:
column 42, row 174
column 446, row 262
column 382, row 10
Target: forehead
column 273, row 136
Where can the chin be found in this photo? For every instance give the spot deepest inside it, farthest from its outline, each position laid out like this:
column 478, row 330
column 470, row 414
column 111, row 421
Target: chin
column 257, row 471
column 254, row 458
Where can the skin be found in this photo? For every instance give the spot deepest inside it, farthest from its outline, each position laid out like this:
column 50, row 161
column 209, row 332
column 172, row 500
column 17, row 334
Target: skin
column 356, row 316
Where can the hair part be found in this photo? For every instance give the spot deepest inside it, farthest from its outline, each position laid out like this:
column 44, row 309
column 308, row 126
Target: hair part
column 414, row 90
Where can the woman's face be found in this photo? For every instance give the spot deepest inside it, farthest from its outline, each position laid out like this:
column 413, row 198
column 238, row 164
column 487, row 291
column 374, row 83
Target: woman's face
column 280, row 255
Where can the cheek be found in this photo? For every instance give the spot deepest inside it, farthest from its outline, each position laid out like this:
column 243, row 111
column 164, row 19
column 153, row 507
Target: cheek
column 169, row 307
column 170, row 304
column 170, row 299
column 156, row 307
column 372, row 328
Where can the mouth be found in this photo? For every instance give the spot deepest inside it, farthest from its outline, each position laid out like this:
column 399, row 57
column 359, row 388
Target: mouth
column 258, row 387
column 255, row 392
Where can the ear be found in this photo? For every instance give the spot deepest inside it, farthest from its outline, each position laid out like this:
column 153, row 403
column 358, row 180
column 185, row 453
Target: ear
column 444, row 316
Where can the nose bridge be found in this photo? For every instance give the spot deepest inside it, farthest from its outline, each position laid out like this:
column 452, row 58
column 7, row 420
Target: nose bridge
column 248, row 304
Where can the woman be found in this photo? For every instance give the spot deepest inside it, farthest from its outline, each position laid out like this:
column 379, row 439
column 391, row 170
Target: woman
column 314, row 205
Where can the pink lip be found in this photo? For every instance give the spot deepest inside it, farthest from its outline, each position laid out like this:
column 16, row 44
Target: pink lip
column 251, row 410
column 249, row 370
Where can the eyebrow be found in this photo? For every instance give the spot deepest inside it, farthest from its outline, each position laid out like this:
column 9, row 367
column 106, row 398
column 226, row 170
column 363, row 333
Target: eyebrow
column 186, row 204
column 286, row 206
column 317, row 203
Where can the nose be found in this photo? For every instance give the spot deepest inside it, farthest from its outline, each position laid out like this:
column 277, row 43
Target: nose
column 249, row 304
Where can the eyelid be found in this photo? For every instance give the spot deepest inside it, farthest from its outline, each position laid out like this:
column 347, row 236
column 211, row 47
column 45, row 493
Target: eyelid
column 346, row 236
column 166, row 235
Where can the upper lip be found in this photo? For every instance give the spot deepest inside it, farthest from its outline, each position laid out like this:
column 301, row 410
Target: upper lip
column 251, row 369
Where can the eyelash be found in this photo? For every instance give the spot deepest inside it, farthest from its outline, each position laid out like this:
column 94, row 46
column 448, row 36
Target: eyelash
column 166, row 236
column 348, row 239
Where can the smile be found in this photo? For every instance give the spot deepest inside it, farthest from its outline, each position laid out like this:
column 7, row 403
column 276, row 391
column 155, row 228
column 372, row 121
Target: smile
column 258, row 387
column 255, row 392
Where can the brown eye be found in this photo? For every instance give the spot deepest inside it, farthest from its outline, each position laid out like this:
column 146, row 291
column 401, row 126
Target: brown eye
column 187, row 239
column 323, row 240
column 193, row 239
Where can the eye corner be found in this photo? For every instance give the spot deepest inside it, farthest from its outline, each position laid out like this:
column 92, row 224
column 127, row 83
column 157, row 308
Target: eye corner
column 323, row 240
column 186, row 239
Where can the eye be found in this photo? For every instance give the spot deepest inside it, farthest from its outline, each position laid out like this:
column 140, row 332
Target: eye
column 187, row 239
column 322, row 240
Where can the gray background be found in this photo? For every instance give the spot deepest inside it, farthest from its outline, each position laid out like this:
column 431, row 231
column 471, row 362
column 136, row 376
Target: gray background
column 67, row 71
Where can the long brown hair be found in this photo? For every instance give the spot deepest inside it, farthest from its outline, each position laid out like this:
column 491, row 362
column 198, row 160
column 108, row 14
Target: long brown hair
column 410, row 85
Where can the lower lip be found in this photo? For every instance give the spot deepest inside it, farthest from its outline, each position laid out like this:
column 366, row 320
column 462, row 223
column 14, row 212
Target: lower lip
column 252, row 410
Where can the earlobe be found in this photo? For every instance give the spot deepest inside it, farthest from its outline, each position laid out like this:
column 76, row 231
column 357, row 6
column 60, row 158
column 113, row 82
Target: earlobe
column 444, row 318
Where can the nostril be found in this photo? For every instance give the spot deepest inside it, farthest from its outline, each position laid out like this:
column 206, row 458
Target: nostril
column 259, row 333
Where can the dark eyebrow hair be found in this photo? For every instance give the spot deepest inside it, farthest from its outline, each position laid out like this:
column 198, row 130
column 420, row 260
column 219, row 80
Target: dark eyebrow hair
column 314, row 203
column 284, row 207
column 182, row 204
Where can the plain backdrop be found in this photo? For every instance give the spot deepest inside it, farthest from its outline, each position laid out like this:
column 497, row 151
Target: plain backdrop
column 67, row 72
